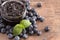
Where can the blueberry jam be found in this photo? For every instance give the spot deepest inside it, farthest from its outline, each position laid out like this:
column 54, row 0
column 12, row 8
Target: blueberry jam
column 13, row 11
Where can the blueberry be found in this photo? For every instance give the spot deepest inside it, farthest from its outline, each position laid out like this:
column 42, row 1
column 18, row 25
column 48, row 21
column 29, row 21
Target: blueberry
column 25, row 36
column 31, row 26
column 7, row 32
column 30, row 14
column 38, row 4
column 34, row 17
column 39, row 33
column 27, row 30
column 34, row 26
column 29, row 18
column 11, row 30
column 21, row 35
column 29, row 9
column 3, row 30
column 41, row 19
column 35, row 30
column 10, row 36
column 2, row 25
column 46, row 29
column 25, row 17
column 1, row 20
column 35, row 13
column 8, row 27
column 17, row 38
column 32, row 10
column 32, row 21
column 31, row 32
column 27, row 4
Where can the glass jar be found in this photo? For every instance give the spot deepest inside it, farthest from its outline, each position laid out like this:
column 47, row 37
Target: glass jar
column 13, row 11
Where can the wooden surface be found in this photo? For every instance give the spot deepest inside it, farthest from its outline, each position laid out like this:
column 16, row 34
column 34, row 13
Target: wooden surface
column 51, row 11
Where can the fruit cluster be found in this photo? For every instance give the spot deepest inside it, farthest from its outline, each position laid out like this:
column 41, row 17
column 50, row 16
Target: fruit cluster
column 32, row 16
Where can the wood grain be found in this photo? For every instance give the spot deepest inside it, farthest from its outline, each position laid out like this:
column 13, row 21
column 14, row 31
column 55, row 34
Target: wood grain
column 51, row 11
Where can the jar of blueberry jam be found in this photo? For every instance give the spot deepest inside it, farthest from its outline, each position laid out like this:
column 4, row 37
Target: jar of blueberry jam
column 13, row 11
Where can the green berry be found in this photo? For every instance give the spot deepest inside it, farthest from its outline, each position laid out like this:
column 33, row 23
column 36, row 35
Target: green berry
column 18, row 29
column 26, row 23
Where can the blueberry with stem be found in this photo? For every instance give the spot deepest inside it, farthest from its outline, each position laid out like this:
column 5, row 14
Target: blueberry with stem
column 25, row 36
column 3, row 30
column 10, row 36
column 17, row 38
column 40, row 18
column 46, row 29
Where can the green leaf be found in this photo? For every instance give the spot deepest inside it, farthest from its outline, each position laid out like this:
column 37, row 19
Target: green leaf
column 26, row 23
column 17, row 29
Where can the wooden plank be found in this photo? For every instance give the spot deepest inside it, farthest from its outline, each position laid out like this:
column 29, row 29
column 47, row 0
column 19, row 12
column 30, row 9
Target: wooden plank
column 51, row 11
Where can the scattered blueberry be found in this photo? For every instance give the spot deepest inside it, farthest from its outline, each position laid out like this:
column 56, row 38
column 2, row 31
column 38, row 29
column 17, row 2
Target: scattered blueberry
column 10, row 36
column 2, row 25
column 26, row 17
column 32, row 10
column 46, row 29
column 8, row 27
column 3, row 30
column 25, row 36
column 30, row 14
column 21, row 35
column 34, row 17
column 31, row 26
column 41, row 19
column 39, row 33
column 7, row 32
column 32, row 21
column 28, row 9
column 29, row 29
column 27, row 4
column 35, row 14
column 11, row 30
column 38, row 4
column 34, row 26
column 17, row 38
column 31, row 32
column 35, row 30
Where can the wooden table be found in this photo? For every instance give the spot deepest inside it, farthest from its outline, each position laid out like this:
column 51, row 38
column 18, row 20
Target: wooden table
column 51, row 11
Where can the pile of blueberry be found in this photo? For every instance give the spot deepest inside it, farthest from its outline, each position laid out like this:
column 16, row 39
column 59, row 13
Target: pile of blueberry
column 31, row 30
